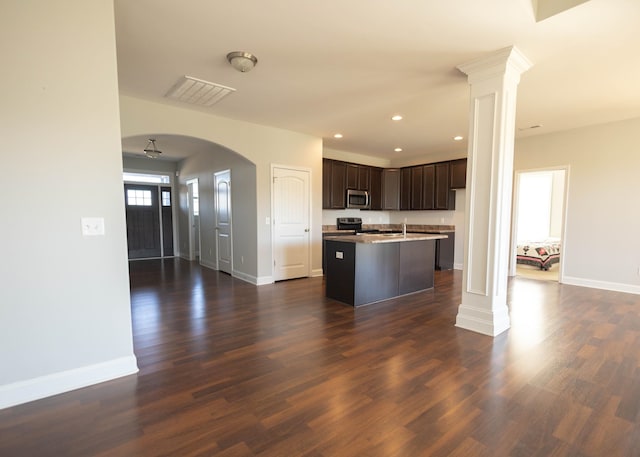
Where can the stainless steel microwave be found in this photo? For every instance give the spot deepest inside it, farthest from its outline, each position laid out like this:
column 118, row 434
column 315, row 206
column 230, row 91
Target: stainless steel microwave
column 358, row 199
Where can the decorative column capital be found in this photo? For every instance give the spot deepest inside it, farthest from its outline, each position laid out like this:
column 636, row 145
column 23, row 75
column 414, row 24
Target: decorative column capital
column 507, row 61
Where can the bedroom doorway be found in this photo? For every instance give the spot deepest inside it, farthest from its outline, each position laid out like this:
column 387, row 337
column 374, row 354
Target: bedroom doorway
column 538, row 224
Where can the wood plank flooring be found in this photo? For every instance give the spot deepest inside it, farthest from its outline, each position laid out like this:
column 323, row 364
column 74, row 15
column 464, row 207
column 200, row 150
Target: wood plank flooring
column 229, row 369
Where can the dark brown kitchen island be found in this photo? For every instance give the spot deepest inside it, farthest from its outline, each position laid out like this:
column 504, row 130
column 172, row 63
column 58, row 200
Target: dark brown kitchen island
column 368, row 268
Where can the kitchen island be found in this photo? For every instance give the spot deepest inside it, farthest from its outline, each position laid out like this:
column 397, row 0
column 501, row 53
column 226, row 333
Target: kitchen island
column 368, row 268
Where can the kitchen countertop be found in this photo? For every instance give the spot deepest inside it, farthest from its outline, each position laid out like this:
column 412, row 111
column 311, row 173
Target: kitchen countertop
column 385, row 237
column 411, row 228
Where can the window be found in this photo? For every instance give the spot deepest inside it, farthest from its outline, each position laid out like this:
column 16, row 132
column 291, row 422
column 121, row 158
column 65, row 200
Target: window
column 147, row 178
column 138, row 197
column 196, row 200
column 193, row 186
column 166, row 198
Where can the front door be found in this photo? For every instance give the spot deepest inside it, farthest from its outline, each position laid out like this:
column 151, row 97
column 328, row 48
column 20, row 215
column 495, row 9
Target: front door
column 222, row 182
column 291, row 222
column 143, row 221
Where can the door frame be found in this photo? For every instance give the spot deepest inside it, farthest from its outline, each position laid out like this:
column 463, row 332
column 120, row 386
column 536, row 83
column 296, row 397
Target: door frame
column 272, row 212
column 514, row 217
column 190, row 219
column 175, row 205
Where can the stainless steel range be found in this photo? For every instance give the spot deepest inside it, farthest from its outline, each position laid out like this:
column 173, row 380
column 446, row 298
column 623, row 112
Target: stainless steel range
column 353, row 223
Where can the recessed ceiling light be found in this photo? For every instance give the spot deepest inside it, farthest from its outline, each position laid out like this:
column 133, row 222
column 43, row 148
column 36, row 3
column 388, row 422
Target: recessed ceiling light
column 396, row 117
column 457, row 138
column 338, row 135
column 398, row 149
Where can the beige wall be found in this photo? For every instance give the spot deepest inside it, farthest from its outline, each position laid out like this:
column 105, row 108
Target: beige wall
column 243, row 206
column 261, row 145
column 65, row 317
column 602, row 246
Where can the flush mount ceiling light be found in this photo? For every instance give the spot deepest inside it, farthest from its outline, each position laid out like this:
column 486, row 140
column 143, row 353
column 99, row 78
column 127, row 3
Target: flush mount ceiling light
column 242, row 61
column 151, row 151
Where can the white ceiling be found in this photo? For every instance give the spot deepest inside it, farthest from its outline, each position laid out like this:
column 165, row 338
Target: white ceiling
column 347, row 66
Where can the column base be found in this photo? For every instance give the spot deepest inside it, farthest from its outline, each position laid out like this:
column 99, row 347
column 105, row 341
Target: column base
column 478, row 320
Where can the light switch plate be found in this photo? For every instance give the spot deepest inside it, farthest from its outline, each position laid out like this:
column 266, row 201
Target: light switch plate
column 92, row 226
column 339, row 255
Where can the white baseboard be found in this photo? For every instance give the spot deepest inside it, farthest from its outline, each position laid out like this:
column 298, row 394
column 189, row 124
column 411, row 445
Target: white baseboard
column 613, row 286
column 256, row 281
column 208, row 264
column 245, row 277
column 317, row 272
column 487, row 322
column 263, row 280
column 65, row 381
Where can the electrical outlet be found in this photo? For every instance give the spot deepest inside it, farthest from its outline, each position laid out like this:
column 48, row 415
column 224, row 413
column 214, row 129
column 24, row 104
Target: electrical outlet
column 242, row 259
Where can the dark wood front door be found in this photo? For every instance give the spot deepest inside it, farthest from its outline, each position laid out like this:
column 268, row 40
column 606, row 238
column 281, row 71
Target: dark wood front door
column 143, row 221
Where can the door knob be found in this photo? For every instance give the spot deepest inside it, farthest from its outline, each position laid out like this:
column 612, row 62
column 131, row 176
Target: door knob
column 306, row 230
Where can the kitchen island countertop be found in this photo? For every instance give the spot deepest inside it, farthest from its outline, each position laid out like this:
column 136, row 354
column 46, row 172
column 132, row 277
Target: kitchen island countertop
column 385, row 237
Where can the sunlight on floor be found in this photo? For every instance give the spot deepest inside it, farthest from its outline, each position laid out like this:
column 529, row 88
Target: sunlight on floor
column 532, row 272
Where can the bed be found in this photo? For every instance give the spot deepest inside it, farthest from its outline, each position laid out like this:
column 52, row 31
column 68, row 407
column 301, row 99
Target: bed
column 542, row 254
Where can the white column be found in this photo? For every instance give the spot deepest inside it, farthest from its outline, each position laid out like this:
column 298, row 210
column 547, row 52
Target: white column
column 494, row 82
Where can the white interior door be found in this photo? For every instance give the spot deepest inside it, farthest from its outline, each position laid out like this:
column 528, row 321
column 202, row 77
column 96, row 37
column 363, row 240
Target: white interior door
column 291, row 223
column 222, row 182
column 194, row 219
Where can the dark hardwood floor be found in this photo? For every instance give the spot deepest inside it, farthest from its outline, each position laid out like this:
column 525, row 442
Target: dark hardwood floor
column 229, row 369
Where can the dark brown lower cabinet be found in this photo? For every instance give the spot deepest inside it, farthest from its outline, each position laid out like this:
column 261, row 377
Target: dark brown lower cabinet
column 445, row 252
column 364, row 273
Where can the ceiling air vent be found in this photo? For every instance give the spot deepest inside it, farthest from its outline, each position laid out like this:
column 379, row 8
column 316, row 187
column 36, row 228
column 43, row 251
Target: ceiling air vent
column 198, row 92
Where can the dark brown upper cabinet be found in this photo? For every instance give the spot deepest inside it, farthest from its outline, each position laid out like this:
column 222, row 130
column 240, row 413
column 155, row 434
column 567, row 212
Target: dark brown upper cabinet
column 458, row 174
column 391, row 189
column 364, row 178
column 375, row 188
column 358, row 176
column 416, row 187
column 428, row 187
column 444, row 197
column 405, row 188
column 326, row 183
column 352, row 176
column 420, row 187
column 338, row 187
